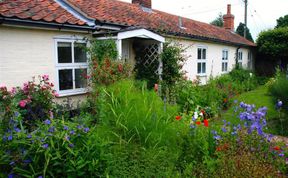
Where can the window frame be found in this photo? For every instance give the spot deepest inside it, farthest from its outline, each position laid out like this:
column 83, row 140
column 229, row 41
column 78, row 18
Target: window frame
column 70, row 66
column 202, row 60
column 225, row 60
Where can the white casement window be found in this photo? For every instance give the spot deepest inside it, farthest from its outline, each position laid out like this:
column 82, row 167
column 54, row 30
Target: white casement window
column 240, row 58
column 201, row 60
column 225, row 60
column 250, row 60
column 71, row 67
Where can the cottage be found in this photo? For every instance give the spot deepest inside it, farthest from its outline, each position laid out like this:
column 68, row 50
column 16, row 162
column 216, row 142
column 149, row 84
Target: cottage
column 45, row 37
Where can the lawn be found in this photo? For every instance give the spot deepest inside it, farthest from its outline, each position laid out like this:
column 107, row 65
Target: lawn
column 259, row 97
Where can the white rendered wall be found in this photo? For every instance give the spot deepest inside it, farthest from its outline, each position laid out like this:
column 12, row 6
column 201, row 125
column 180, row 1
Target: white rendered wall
column 213, row 58
column 25, row 53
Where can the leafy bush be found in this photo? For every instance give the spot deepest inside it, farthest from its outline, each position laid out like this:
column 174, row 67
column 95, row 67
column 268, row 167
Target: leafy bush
column 279, row 88
column 33, row 101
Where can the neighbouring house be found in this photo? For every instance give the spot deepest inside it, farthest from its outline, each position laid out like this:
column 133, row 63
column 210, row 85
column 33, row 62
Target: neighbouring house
column 45, row 37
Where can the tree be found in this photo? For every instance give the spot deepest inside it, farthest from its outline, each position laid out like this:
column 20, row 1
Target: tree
column 218, row 21
column 274, row 43
column 282, row 22
column 240, row 31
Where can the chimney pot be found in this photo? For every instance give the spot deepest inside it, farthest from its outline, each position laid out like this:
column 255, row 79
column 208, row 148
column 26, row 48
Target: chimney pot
column 144, row 3
column 228, row 19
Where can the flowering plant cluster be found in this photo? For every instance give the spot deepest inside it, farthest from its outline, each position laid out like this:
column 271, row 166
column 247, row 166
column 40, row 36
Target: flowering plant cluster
column 33, row 101
column 51, row 148
column 109, row 71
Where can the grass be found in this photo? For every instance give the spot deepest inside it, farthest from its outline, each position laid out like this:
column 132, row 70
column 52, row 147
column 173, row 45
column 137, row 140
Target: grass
column 259, row 97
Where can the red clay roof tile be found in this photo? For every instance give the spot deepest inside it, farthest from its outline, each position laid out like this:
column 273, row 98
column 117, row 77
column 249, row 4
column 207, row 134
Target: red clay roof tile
column 118, row 12
column 46, row 10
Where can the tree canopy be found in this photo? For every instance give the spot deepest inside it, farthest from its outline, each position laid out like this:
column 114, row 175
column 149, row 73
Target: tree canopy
column 218, row 21
column 240, row 31
column 274, row 43
column 282, row 22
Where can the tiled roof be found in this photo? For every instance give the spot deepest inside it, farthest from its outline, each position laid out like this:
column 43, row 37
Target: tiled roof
column 37, row 10
column 118, row 12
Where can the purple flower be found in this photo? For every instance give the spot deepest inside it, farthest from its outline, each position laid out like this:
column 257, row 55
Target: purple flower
column 79, row 127
column 27, row 161
column 10, row 137
column 11, row 175
column 40, row 176
column 72, row 132
column 279, row 104
column 12, row 163
column 86, row 129
column 66, row 138
column 281, row 155
column 224, row 129
column 65, row 127
column 47, row 122
column 45, row 146
column 29, row 136
column 51, row 129
column 71, row 145
column 17, row 129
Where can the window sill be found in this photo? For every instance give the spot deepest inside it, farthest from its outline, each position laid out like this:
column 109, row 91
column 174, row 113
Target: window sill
column 201, row 75
column 71, row 93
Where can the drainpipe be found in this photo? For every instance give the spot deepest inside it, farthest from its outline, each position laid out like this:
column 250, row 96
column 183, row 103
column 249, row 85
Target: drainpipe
column 236, row 58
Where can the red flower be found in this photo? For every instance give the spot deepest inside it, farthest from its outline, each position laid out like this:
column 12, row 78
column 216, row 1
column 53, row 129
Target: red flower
column 198, row 122
column 178, row 118
column 206, row 124
column 277, row 148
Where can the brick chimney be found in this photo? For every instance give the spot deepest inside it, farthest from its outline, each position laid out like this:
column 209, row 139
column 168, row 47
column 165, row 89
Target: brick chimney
column 228, row 19
column 144, row 3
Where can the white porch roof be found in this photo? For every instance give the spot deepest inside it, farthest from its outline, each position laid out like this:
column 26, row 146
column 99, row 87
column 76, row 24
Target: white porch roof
column 140, row 33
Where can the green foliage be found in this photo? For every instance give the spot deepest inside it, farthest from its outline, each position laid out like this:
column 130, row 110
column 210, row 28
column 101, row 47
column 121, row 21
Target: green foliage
column 102, row 49
column 240, row 31
column 273, row 43
column 282, row 22
column 218, row 21
column 217, row 93
column 34, row 101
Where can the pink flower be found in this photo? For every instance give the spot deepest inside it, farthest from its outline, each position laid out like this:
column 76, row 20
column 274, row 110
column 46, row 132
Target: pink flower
column 25, row 87
column 45, row 77
column 22, row 103
column 13, row 91
column 54, row 93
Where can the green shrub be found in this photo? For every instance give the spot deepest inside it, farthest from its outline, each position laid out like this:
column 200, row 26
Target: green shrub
column 279, row 89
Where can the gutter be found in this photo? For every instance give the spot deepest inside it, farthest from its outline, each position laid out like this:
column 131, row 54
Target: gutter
column 43, row 24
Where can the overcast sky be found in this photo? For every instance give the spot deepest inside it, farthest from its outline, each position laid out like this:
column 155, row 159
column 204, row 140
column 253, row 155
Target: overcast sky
column 262, row 14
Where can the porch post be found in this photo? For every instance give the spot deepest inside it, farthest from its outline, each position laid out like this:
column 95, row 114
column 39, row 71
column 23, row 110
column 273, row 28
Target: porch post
column 160, row 67
column 119, row 48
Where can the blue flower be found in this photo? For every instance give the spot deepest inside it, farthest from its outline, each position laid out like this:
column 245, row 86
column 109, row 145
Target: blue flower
column 17, row 129
column 65, row 127
column 12, row 163
column 29, row 136
column 279, row 104
column 11, row 175
column 224, row 129
column 79, row 127
column 47, row 122
column 40, row 176
column 72, row 132
column 27, row 161
column 66, row 138
column 10, row 137
column 51, row 129
column 45, row 146
column 71, row 145
column 86, row 129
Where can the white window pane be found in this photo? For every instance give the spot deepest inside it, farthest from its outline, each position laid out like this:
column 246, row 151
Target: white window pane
column 80, row 78
column 64, row 52
column 66, row 79
column 79, row 52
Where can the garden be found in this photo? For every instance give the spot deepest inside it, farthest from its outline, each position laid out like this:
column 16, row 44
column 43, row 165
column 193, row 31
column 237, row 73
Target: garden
column 133, row 128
